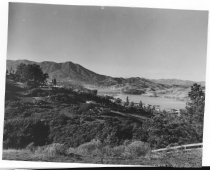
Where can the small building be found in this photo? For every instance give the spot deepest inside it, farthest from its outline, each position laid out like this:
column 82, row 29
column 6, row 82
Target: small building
column 76, row 90
column 90, row 102
column 58, row 86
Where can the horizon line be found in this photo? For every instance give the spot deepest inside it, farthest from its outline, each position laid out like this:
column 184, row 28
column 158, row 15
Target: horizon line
column 109, row 75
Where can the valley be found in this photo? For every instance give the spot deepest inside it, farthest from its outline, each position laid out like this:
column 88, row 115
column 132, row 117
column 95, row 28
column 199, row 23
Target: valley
column 164, row 93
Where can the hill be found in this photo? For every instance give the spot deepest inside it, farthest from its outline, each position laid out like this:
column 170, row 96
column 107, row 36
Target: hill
column 64, row 71
column 69, row 72
column 177, row 82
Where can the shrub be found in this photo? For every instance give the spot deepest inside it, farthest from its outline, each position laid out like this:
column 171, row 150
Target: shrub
column 18, row 133
column 167, row 129
column 51, row 150
column 30, row 146
column 136, row 148
column 63, row 97
column 118, row 150
column 88, row 148
column 16, row 109
column 70, row 151
column 84, row 107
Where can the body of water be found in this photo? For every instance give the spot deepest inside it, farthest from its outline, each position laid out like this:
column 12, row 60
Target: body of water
column 163, row 103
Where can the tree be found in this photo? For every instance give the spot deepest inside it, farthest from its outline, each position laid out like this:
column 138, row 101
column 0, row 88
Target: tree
column 140, row 104
column 11, row 71
column 127, row 101
column 195, row 109
column 118, row 101
column 195, row 106
column 31, row 74
column 20, row 72
column 132, row 104
column 54, row 82
column 165, row 128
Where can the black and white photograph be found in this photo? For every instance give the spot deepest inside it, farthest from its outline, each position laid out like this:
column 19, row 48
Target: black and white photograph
column 105, row 85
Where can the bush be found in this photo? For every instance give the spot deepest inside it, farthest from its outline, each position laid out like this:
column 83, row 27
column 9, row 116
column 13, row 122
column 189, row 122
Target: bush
column 84, row 107
column 18, row 133
column 118, row 150
column 51, row 150
column 30, row 146
column 88, row 148
column 136, row 148
column 65, row 98
column 74, row 133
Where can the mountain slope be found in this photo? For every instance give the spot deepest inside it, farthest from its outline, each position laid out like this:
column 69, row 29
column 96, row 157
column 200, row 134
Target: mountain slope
column 66, row 71
column 177, row 82
column 69, row 71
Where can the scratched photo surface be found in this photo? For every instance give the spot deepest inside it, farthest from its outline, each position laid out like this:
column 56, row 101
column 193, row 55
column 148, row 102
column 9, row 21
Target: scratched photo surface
column 105, row 85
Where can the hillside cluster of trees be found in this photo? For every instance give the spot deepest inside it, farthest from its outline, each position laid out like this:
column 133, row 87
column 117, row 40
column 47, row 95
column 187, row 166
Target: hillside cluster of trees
column 30, row 74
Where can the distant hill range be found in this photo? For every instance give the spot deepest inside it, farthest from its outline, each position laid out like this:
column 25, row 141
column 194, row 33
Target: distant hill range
column 71, row 72
column 177, row 82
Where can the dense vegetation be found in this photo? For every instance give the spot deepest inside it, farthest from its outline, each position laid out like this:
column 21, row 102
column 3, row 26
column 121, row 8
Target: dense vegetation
column 30, row 74
column 65, row 117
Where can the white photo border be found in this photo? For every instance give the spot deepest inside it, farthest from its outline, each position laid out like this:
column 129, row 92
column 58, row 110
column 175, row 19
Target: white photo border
column 168, row 4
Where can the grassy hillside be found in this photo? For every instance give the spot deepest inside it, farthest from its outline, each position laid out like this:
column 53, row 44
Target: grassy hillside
column 187, row 159
column 61, row 124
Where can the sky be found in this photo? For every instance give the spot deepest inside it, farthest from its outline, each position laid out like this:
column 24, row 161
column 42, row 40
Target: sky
column 113, row 41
